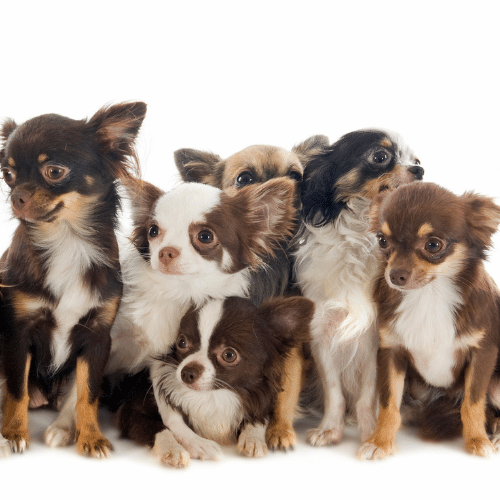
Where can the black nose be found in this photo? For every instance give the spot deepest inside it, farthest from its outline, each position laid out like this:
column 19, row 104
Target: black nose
column 417, row 171
column 20, row 198
column 191, row 373
column 399, row 277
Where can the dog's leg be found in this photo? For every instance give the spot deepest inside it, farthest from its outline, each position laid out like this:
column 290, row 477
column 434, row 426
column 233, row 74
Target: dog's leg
column 15, row 408
column 390, row 382
column 4, row 444
column 494, row 399
column 168, row 451
column 331, row 428
column 251, row 441
column 478, row 376
column 63, row 430
column 280, row 433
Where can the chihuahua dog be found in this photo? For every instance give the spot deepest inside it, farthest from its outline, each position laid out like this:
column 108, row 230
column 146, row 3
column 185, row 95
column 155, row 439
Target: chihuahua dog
column 219, row 384
column 61, row 274
column 189, row 245
column 252, row 165
column 337, row 266
column 438, row 309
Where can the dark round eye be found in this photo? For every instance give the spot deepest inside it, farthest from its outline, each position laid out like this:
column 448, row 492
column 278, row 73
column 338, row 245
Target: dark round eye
column 382, row 241
column 380, row 157
column 244, row 179
column 8, row 175
column 182, row 343
column 154, row 231
column 229, row 355
column 206, row 236
column 52, row 173
column 296, row 176
column 433, row 245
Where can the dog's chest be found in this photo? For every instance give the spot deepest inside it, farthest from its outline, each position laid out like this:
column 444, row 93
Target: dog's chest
column 425, row 326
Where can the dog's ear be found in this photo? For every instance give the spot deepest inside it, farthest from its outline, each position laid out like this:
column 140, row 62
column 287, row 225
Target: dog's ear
column 116, row 128
column 289, row 318
column 8, row 126
column 198, row 166
column 143, row 197
column 307, row 150
column 375, row 206
column 483, row 218
column 265, row 216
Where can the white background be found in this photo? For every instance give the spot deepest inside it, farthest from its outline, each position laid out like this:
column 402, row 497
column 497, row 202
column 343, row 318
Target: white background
column 221, row 76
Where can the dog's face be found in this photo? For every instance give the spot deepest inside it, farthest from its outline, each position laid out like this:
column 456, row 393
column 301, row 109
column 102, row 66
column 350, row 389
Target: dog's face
column 255, row 164
column 232, row 344
column 359, row 164
column 425, row 232
column 198, row 229
column 57, row 167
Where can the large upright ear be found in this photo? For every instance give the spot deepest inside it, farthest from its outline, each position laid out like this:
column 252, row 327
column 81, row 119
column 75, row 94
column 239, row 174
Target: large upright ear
column 310, row 148
column 483, row 218
column 289, row 318
column 116, row 128
column 198, row 166
column 8, row 126
column 265, row 215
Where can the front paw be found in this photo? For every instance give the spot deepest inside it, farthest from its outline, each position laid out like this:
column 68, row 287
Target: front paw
column 480, row 446
column 203, row 449
column 252, row 447
column 18, row 439
column 4, row 447
column 93, row 445
column 56, row 436
column 371, row 451
column 280, row 437
column 322, row 437
column 178, row 458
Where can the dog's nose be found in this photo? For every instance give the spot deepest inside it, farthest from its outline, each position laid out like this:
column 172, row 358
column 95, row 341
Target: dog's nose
column 399, row 277
column 168, row 254
column 191, row 373
column 417, row 171
column 20, row 198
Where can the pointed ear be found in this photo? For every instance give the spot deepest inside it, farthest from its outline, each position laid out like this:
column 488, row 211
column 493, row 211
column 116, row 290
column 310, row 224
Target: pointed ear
column 266, row 216
column 8, row 126
column 198, row 166
column 116, row 128
column 483, row 218
column 311, row 147
column 289, row 318
column 374, row 213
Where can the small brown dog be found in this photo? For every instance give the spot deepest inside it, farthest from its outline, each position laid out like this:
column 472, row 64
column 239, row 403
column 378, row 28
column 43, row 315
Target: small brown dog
column 438, row 309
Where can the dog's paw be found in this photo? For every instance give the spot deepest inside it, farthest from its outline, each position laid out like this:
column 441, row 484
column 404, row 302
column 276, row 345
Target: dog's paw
column 322, row 437
column 4, row 447
column 55, row 436
column 178, row 458
column 371, row 451
column 280, row 437
column 480, row 446
column 93, row 445
column 252, row 447
column 18, row 439
column 203, row 449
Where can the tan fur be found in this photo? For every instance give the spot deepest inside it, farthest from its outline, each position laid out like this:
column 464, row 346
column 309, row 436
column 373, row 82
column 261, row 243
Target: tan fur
column 42, row 157
column 424, row 230
column 11, row 162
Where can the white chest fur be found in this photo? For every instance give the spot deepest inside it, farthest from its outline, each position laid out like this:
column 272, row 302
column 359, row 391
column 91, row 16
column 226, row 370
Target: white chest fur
column 425, row 325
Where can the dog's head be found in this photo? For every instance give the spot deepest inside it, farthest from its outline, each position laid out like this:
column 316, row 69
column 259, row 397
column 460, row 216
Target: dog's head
column 232, row 344
column 425, row 232
column 197, row 229
column 57, row 167
column 252, row 165
column 359, row 164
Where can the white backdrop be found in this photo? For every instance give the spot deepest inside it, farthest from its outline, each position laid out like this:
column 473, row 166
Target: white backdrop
column 224, row 75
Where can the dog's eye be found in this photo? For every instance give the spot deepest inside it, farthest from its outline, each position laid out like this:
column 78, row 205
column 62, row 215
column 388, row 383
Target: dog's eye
column 8, row 175
column 433, row 245
column 54, row 174
column 380, row 158
column 382, row 241
column 244, row 179
column 154, row 231
column 229, row 355
column 296, row 176
column 206, row 237
column 182, row 343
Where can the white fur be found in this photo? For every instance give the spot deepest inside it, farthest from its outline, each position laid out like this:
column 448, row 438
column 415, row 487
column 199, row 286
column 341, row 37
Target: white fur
column 252, row 441
column 336, row 267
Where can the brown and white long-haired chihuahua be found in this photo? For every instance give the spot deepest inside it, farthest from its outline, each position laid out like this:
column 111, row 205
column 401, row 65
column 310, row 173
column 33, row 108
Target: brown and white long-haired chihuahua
column 253, row 165
column 438, row 309
column 61, row 274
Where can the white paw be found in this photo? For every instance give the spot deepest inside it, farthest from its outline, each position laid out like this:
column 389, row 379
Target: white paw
column 18, row 445
column 370, row 451
column 173, row 458
column 203, row 449
column 249, row 447
column 58, row 436
column 322, row 437
column 5, row 448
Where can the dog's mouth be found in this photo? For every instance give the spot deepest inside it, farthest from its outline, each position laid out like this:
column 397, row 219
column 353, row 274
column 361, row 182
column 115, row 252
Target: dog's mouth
column 34, row 214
